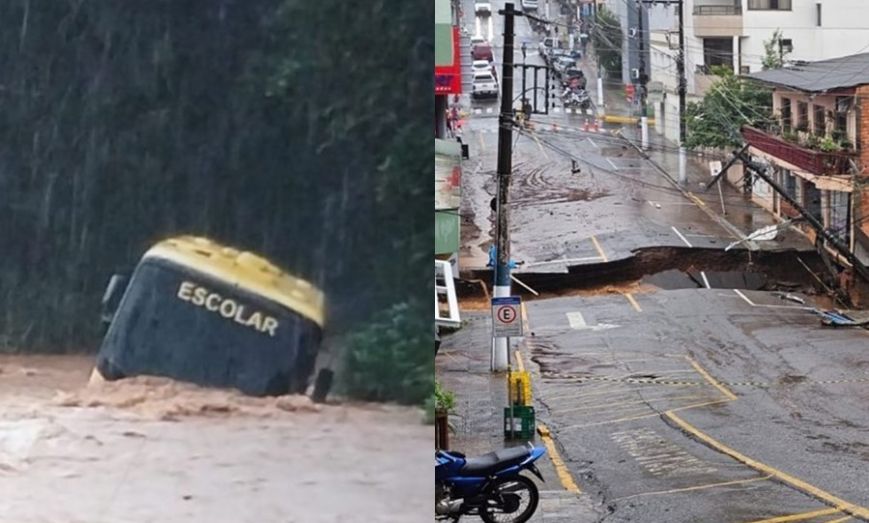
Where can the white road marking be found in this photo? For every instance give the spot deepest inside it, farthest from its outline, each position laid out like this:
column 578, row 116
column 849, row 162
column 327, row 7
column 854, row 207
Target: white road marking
column 478, row 111
column 477, row 27
column 577, row 322
column 744, row 297
column 679, row 234
column 491, row 32
column 766, row 306
column 556, row 109
column 593, row 143
column 616, row 167
column 564, row 260
column 705, row 281
column 489, row 110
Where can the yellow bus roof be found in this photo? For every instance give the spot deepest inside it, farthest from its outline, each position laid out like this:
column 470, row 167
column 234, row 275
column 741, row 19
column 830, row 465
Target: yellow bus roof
column 245, row 270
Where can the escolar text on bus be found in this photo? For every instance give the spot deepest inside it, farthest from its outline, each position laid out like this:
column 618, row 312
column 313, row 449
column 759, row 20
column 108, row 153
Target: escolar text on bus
column 226, row 307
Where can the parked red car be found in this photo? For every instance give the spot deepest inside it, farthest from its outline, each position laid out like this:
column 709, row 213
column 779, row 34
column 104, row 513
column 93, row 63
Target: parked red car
column 482, row 52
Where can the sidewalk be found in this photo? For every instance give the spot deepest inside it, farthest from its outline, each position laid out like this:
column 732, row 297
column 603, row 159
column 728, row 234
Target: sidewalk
column 462, row 366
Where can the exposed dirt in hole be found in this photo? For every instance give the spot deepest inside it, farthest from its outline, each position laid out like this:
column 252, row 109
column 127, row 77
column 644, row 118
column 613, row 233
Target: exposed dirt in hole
column 775, row 270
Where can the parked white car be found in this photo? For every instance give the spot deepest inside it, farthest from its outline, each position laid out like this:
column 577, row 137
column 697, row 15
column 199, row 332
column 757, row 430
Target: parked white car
column 484, row 86
column 529, row 5
column 481, row 66
column 483, row 8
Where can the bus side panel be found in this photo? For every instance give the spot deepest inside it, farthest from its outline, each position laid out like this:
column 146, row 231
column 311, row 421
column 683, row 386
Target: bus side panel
column 180, row 324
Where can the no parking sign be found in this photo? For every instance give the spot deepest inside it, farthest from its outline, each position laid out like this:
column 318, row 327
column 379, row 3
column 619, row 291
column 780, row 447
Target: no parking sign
column 506, row 316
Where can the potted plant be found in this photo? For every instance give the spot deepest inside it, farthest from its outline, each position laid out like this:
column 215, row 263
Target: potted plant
column 812, row 141
column 790, row 136
column 828, row 145
column 444, row 404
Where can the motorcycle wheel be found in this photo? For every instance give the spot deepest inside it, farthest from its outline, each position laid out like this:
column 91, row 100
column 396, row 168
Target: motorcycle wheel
column 504, row 494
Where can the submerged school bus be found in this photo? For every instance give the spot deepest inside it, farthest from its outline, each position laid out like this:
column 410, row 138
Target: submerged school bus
column 197, row 311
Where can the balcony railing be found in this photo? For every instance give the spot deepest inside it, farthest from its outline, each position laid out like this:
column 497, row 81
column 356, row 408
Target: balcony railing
column 717, row 10
column 815, row 162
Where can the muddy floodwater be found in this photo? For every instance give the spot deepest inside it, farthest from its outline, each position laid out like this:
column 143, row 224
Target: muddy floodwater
column 155, row 450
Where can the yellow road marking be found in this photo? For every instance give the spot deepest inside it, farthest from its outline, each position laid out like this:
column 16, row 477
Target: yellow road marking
column 542, row 150
column 840, row 520
column 482, row 143
column 602, row 388
column 704, row 404
column 696, row 200
column 609, row 422
column 625, row 403
column 838, row 503
column 524, row 317
column 710, row 379
column 599, row 250
column 560, row 468
column 800, row 516
column 634, row 303
column 698, row 487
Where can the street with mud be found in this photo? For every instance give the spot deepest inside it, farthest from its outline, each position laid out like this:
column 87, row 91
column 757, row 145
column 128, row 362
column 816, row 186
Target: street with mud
column 679, row 382
column 151, row 449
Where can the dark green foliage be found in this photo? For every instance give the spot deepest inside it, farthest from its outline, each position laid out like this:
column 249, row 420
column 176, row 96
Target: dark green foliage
column 729, row 103
column 607, row 39
column 291, row 128
column 773, row 53
column 392, row 358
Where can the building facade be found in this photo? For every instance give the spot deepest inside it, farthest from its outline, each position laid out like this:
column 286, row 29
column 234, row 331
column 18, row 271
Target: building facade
column 818, row 149
column 732, row 33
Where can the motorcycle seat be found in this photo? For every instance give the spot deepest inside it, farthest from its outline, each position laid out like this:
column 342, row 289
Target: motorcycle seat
column 492, row 462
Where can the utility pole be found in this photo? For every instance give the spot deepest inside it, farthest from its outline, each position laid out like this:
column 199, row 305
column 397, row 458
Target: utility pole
column 644, row 120
column 680, row 63
column 500, row 349
column 680, row 67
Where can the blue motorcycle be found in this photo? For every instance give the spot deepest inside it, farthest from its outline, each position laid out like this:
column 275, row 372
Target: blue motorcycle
column 489, row 486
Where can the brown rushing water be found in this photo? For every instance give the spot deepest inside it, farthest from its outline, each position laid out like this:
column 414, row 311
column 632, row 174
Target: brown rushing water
column 152, row 449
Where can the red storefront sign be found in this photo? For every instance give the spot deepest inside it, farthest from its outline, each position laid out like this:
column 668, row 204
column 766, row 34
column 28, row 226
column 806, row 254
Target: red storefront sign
column 448, row 78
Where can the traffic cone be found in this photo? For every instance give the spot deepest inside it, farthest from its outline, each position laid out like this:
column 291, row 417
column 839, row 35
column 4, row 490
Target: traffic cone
column 585, row 125
column 555, row 127
column 594, row 126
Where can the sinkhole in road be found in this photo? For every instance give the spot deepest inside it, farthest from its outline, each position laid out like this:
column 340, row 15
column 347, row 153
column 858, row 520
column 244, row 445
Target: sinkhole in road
column 670, row 268
column 675, row 279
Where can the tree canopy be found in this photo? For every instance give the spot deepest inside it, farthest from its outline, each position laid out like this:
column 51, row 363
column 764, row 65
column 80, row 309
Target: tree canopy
column 729, row 103
column 607, row 38
column 293, row 129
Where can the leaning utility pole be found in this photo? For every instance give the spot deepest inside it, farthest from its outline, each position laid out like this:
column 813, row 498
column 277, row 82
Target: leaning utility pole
column 644, row 121
column 500, row 349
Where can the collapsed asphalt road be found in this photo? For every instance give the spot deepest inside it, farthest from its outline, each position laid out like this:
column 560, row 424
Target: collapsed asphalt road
column 703, row 405
column 678, row 383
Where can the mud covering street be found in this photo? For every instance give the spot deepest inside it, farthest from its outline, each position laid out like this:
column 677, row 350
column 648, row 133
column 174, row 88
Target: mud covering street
column 156, row 450
column 674, row 378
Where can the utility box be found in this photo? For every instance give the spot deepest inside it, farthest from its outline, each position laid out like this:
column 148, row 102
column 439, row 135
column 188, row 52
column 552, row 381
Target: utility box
column 197, row 311
column 519, row 422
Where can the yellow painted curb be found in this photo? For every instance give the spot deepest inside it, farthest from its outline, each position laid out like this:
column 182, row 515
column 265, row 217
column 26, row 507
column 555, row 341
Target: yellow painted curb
column 613, row 118
column 838, row 503
column 560, row 468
